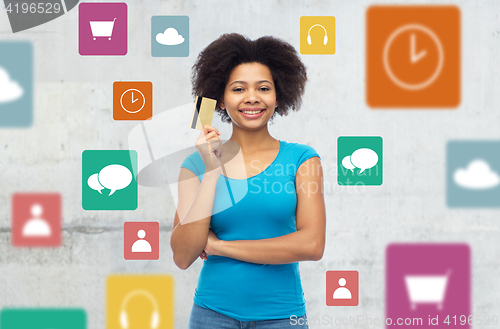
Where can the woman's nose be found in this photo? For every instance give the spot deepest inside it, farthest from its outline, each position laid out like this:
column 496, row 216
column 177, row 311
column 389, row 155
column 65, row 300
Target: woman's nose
column 251, row 96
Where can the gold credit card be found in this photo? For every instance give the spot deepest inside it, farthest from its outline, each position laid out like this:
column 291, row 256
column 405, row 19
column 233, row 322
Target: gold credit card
column 203, row 112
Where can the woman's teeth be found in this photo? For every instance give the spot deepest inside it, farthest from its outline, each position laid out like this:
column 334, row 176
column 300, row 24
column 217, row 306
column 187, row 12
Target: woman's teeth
column 252, row 112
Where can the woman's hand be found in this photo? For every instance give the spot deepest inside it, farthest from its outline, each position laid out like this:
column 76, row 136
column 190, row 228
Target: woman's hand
column 211, row 247
column 209, row 146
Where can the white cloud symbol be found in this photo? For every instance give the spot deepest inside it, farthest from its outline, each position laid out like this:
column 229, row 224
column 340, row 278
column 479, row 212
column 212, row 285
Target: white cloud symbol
column 478, row 175
column 9, row 90
column 170, row 37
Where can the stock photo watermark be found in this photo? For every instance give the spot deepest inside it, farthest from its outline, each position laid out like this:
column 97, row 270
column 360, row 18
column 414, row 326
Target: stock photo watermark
column 26, row 14
column 263, row 183
column 431, row 320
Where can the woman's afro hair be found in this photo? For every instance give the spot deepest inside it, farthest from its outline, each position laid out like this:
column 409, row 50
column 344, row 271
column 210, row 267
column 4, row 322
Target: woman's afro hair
column 216, row 62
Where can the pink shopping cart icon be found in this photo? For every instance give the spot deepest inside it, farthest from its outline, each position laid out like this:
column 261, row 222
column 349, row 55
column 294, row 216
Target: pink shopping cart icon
column 426, row 280
column 102, row 29
column 427, row 289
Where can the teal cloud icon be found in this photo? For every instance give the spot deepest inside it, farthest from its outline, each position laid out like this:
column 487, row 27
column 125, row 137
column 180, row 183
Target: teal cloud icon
column 477, row 175
column 170, row 37
column 473, row 173
column 16, row 84
column 9, row 90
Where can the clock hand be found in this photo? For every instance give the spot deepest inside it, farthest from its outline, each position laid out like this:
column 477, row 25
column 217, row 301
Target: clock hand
column 415, row 57
column 133, row 101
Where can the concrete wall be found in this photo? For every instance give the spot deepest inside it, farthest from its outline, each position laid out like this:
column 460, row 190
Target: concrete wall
column 73, row 113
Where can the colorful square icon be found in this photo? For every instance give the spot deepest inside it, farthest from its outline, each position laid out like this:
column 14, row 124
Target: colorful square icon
column 36, row 219
column 102, row 28
column 413, row 56
column 108, row 180
column 41, row 318
column 359, row 160
column 170, row 36
column 342, row 288
column 317, row 35
column 16, row 84
column 427, row 281
column 140, row 301
column 141, row 240
column 132, row 100
column 473, row 174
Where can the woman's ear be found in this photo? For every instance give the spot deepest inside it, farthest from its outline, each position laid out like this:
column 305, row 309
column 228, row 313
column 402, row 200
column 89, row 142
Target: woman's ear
column 221, row 105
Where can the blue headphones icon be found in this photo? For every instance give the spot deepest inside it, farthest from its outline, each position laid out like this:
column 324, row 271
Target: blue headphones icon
column 155, row 318
column 325, row 39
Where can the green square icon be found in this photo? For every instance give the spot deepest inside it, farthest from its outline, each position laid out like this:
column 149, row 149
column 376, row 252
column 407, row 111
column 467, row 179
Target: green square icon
column 43, row 318
column 359, row 160
column 108, row 180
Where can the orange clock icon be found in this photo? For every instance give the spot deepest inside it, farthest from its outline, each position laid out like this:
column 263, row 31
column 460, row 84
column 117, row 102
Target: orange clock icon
column 413, row 56
column 419, row 51
column 132, row 100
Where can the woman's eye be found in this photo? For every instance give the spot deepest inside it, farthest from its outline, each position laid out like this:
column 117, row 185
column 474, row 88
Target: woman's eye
column 237, row 89
column 265, row 88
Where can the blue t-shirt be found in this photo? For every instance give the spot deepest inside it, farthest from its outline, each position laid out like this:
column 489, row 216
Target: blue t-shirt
column 265, row 208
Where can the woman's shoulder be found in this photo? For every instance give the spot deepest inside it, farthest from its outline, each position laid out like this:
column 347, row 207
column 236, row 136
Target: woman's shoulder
column 297, row 153
column 194, row 162
column 298, row 148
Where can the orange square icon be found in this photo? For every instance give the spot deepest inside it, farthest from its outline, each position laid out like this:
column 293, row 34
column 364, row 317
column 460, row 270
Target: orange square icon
column 413, row 56
column 132, row 100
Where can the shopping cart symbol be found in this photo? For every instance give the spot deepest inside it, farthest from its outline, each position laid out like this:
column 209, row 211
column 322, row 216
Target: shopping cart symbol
column 102, row 28
column 427, row 289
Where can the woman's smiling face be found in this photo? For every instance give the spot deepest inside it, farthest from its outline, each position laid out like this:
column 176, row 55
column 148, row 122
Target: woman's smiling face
column 250, row 88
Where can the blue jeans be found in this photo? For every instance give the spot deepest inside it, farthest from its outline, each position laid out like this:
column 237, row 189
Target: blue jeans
column 204, row 318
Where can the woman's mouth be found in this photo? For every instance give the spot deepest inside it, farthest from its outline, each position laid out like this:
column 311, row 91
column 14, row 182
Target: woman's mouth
column 252, row 114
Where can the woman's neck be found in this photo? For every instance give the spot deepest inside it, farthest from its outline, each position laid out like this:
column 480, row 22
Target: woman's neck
column 252, row 140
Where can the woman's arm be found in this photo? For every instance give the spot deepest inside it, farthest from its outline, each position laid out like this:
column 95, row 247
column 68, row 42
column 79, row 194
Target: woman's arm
column 308, row 243
column 196, row 200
